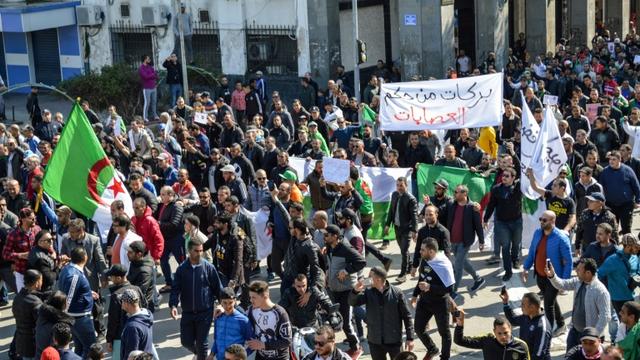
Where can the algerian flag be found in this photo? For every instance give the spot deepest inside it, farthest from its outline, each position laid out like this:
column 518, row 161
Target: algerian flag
column 549, row 155
column 382, row 183
column 368, row 116
column 529, row 136
column 80, row 175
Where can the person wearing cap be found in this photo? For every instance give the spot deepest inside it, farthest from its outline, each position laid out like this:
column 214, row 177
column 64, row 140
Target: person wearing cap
column 591, row 300
column 117, row 274
column 169, row 175
column 142, row 272
column 46, row 129
column 343, row 265
column 506, row 200
column 42, row 257
column 586, row 185
column 291, row 178
column 137, row 332
column 313, row 127
column 595, row 214
column 622, row 190
column 235, row 184
column 590, row 346
column 197, row 299
column 231, row 327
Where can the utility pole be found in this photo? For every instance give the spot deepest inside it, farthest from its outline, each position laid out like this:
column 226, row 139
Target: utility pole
column 356, row 68
column 183, row 58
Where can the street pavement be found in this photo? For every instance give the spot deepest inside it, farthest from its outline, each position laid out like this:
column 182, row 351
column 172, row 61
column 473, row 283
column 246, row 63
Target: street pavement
column 480, row 308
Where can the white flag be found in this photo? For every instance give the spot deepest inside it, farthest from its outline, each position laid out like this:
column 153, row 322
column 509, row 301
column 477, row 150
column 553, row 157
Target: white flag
column 549, row 155
column 529, row 136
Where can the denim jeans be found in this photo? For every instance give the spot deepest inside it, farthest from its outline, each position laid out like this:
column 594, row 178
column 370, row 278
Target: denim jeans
column 175, row 247
column 194, row 332
column 175, row 90
column 84, row 335
column 461, row 262
column 150, row 104
column 509, row 235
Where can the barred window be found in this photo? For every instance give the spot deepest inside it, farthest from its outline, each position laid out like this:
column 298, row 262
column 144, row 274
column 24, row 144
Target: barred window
column 129, row 43
column 272, row 49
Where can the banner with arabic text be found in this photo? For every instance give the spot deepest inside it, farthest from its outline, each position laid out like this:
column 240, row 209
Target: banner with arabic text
column 470, row 102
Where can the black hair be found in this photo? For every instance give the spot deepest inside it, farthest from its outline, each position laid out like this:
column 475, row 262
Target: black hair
column 78, row 255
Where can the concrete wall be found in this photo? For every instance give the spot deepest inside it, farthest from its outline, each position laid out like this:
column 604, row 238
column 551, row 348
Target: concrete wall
column 371, row 31
column 230, row 15
column 492, row 31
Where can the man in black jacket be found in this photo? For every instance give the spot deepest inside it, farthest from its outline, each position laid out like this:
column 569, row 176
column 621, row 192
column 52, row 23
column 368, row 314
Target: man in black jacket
column 302, row 303
column 535, row 329
column 431, row 297
column 205, row 210
column 25, row 312
column 169, row 216
column 142, row 271
column 499, row 345
column 137, row 190
column 464, row 224
column 174, row 77
column 41, row 258
column 301, row 257
column 403, row 213
column 431, row 229
column 115, row 322
column 387, row 309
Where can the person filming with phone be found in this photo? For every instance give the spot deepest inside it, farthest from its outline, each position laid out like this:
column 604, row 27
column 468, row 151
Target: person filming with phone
column 591, row 304
column 501, row 344
column 535, row 329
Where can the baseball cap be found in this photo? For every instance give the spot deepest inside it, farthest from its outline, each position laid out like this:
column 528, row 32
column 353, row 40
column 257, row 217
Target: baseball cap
column 312, row 123
column 116, row 270
column 596, row 196
column 228, row 168
column 258, row 72
column 590, row 333
column 333, row 229
column 138, row 247
column 205, row 94
column 129, row 296
column 227, row 293
column 314, row 108
column 289, row 175
column 163, row 156
column 441, row 183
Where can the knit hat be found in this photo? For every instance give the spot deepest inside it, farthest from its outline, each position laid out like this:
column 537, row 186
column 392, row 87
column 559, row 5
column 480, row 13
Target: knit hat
column 129, row 296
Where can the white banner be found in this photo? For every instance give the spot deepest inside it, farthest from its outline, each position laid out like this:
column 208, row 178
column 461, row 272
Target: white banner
column 471, row 102
column 530, row 131
column 549, row 156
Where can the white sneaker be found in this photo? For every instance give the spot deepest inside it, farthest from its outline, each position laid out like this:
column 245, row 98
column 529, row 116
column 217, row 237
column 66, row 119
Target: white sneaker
column 402, row 278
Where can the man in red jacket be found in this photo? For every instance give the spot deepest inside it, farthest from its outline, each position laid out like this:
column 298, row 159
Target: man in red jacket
column 148, row 228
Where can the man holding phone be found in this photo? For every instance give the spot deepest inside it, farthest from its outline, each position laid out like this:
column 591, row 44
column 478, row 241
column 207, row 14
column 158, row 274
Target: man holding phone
column 431, row 297
column 535, row 329
column 549, row 244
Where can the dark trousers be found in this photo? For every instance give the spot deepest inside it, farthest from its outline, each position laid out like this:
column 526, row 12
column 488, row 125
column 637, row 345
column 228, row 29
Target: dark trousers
column 83, row 335
column 370, row 249
column 380, row 351
column 624, row 214
column 403, row 241
column 429, row 307
column 175, row 247
column 194, row 332
column 97, row 312
column 278, row 250
column 551, row 307
column 342, row 298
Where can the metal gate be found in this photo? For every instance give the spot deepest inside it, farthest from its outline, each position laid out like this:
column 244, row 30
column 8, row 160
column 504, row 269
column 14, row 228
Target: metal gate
column 46, row 56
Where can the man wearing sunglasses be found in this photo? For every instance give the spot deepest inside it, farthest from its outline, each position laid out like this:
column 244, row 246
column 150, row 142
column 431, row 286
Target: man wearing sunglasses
column 325, row 346
column 549, row 244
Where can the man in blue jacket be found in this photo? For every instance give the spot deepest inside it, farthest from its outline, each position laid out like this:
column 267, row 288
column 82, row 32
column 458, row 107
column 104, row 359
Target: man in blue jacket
column 622, row 190
column 74, row 283
column 137, row 333
column 231, row 327
column 549, row 244
column 197, row 286
column 535, row 329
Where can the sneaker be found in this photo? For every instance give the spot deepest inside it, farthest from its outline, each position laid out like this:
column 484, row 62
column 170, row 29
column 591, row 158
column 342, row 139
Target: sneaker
column 516, row 264
column 387, row 264
column 271, row 276
column 477, row 285
column 402, row 278
column 561, row 330
column 493, row 260
column 431, row 354
column 354, row 353
column 384, row 246
column 507, row 276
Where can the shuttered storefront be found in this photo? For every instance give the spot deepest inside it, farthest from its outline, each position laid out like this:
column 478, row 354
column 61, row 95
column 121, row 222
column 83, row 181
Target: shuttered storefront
column 46, row 56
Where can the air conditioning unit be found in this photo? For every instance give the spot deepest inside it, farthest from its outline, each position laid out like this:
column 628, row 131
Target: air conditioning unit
column 155, row 15
column 258, row 51
column 89, row 15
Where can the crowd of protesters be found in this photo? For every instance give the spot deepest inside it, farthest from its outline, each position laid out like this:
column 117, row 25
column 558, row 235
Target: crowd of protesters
column 194, row 179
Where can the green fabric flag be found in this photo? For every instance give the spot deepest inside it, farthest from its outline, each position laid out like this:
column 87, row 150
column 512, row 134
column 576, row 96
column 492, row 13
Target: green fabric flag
column 323, row 143
column 479, row 186
column 368, row 116
column 80, row 175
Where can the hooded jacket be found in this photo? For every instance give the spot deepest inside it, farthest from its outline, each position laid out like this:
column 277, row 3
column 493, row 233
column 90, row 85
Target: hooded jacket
column 137, row 333
column 141, row 275
column 149, row 229
column 47, row 317
column 25, row 312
